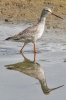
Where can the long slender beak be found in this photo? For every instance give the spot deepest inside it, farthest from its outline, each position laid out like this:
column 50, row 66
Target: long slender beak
column 57, row 87
column 56, row 15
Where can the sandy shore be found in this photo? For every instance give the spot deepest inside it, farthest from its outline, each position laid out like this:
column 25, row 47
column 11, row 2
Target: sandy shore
column 29, row 10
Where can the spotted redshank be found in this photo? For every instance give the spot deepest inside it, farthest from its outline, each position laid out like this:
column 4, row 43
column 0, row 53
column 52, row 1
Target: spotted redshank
column 33, row 33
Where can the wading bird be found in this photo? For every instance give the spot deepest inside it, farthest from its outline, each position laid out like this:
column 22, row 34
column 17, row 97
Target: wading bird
column 33, row 33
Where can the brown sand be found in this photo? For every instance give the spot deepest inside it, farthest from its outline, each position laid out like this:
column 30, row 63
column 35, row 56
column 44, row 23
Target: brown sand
column 29, row 10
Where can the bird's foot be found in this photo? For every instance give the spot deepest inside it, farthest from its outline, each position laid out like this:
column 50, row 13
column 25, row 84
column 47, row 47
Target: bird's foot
column 37, row 52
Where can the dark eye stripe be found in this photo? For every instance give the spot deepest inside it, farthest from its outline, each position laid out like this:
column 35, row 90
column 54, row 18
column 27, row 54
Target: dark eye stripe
column 48, row 10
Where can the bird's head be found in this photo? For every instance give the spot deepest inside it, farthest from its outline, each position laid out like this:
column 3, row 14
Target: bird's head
column 47, row 11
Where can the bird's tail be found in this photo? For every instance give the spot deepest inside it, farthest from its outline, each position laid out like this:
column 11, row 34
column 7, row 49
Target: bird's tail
column 13, row 38
column 8, row 38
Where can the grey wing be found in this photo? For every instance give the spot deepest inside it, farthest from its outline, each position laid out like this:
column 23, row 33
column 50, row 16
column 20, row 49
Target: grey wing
column 27, row 33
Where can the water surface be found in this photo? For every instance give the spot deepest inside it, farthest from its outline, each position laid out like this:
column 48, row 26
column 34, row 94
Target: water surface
column 27, row 76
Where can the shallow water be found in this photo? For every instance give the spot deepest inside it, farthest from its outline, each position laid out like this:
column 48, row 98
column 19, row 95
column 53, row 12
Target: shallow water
column 27, row 76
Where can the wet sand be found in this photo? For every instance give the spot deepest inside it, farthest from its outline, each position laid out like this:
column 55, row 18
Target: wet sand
column 22, row 78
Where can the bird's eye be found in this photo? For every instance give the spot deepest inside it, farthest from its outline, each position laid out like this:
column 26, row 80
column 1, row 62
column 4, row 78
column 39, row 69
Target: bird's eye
column 47, row 10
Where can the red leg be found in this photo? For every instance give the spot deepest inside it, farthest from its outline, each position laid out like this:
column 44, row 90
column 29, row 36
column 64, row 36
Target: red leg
column 22, row 48
column 35, row 51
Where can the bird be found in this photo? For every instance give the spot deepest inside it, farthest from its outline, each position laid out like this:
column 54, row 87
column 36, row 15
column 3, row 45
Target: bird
column 33, row 33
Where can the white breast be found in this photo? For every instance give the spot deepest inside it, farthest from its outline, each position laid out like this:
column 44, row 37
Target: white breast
column 40, row 30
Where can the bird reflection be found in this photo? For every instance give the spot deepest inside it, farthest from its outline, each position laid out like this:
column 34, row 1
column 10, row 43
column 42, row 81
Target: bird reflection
column 33, row 69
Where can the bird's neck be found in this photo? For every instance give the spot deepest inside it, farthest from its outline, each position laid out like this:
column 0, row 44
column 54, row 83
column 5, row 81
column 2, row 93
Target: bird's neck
column 42, row 20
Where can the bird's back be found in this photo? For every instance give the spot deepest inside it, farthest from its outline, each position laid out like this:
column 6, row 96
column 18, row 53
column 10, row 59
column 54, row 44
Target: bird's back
column 29, row 34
